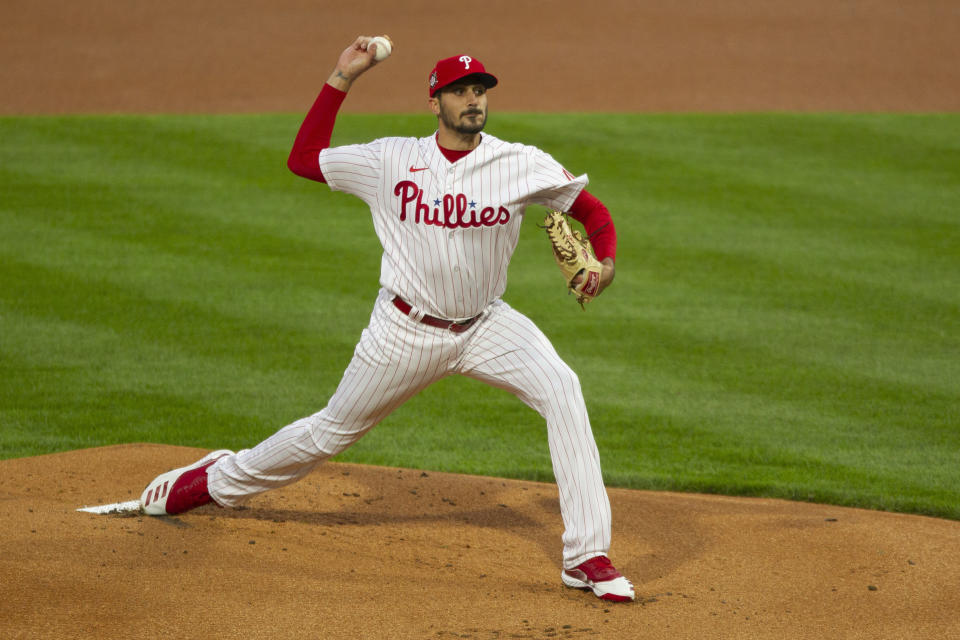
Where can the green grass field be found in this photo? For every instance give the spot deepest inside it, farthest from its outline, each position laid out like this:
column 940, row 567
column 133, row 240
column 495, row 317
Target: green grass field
column 785, row 320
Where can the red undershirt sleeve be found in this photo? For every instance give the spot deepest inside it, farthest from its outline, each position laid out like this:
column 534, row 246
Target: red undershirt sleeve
column 597, row 222
column 315, row 133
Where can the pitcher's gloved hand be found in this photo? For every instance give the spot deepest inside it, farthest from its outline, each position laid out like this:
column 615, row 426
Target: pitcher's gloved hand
column 574, row 255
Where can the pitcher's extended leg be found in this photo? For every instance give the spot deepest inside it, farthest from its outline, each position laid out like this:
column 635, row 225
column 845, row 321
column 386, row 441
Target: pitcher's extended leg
column 395, row 359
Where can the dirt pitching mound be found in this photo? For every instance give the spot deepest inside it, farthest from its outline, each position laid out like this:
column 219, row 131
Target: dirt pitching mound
column 367, row 552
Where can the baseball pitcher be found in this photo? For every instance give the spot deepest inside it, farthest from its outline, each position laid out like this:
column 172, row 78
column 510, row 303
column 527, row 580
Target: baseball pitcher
column 447, row 209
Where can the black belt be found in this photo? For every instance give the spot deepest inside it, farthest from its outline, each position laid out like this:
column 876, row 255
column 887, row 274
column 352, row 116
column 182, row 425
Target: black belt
column 440, row 323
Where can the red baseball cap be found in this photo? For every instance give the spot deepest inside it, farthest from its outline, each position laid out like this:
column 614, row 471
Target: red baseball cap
column 451, row 69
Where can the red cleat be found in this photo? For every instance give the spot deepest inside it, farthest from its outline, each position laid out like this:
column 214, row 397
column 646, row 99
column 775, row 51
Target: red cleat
column 181, row 489
column 601, row 577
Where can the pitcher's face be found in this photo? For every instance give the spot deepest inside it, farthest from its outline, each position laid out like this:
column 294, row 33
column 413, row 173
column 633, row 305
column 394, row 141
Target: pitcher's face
column 461, row 107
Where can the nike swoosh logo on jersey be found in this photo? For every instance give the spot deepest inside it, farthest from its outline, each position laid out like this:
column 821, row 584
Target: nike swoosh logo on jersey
column 415, row 169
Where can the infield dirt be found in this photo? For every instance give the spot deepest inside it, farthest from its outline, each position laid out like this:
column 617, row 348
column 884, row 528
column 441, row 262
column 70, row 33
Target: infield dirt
column 367, row 552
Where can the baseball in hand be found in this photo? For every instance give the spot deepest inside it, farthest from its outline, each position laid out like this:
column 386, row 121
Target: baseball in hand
column 383, row 48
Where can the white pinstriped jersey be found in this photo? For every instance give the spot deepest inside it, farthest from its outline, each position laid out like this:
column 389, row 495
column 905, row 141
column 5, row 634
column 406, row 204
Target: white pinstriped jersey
column 448, row 230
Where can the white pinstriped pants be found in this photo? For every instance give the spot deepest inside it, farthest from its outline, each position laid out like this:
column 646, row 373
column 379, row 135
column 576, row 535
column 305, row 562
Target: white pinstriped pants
column 395, row 359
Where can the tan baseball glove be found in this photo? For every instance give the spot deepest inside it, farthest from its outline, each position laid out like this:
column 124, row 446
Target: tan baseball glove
column 574, row 256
